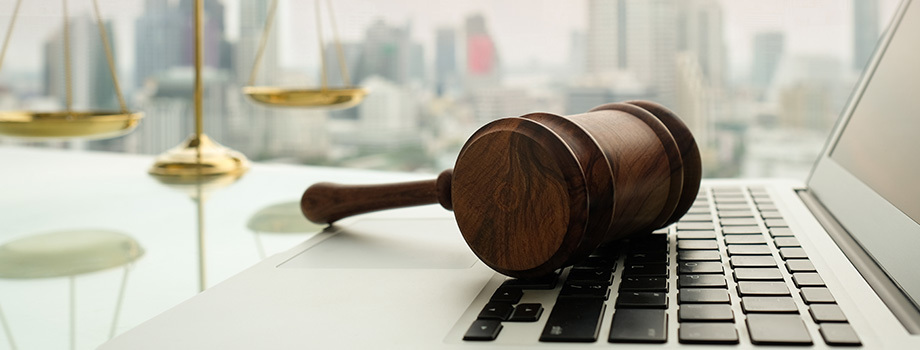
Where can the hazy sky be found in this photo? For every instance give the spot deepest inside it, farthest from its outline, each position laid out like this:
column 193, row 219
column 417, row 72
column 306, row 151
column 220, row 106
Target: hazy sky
column 525, row 30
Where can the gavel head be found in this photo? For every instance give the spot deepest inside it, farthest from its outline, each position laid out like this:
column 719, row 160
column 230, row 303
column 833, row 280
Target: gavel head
column 535, row 193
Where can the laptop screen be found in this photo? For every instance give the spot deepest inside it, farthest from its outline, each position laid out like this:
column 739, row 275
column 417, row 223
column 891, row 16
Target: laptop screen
column 869, row 176
column 881, row 142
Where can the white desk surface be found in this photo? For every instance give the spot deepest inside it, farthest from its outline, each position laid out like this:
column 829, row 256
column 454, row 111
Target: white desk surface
column 54, row 191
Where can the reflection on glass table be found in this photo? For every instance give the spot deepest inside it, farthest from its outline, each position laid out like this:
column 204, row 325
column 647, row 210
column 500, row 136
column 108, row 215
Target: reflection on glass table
column 154, row 246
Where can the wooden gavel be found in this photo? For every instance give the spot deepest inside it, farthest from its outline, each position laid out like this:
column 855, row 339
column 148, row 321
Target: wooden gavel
column 535, row 193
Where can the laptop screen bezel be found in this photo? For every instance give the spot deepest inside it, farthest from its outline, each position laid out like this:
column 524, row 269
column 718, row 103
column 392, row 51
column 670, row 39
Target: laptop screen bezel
column 859, row 209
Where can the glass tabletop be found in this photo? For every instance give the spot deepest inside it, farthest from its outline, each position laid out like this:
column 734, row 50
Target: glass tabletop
column 91, row 245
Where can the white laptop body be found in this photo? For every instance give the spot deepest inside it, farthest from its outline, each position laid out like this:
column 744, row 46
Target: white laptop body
column 405, row 278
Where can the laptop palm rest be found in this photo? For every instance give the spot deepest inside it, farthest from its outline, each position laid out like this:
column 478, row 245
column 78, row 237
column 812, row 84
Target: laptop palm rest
column 388, row 244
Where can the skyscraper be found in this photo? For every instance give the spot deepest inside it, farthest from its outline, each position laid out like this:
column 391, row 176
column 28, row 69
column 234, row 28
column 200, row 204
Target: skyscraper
column 445, row 63
column 90, row 80
column 253, row 14
column 865, row 31
column 389, row 52
column 638, row 37
column 164, row 38
column 156, row 33
column 701, row 34
column 483, row 67
column 768, row 51
column 606, row 37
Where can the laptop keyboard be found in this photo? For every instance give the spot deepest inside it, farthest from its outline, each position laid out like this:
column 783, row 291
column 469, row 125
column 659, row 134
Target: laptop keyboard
column 731, row 248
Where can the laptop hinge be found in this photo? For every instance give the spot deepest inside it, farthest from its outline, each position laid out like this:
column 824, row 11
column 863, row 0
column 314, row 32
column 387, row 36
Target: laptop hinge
column 899, row 304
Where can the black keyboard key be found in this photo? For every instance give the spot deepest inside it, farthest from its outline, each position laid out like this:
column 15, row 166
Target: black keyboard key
column 698, row 255
column 752, row 261
column 705, row 313
column 646, row 270
column 526, row 313
column 692, row 226
column 707, row 333
column 574, row 320
column 768, row 305
column 748, row 249
column 707, row 244
column 739, row 222
column 483, row 330
column 590, row 276
column 758, row 274
column 799, row 265
column 701, row 281
column 699, row 267
column 545, row 282
column 826, row 313
column 496, row 311
column 745, row 239
column 771, row 214
column 839, row 334
column 817, row 295
column 589, row 291
column 780, row 232
column 642, row 300
column 639, row 326
column 765, row 329
column 741, row 230
column 647, row 258
column 683, row 235
column 644, row 284
column 807, row 279
column 703, row 296
column 786, row 242
column 507, row 294
column 792, row 253
column 762, row 288
column 608, row 262
column 766, row 206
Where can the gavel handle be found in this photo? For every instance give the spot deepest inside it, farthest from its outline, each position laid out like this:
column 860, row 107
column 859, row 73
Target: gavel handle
column 326, row 202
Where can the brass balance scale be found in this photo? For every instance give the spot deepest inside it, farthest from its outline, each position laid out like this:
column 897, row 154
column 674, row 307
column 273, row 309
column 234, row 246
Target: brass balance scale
column 325, row 97
column 69, row 124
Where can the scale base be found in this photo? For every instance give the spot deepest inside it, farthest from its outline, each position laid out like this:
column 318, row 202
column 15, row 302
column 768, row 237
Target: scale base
column 197, row 159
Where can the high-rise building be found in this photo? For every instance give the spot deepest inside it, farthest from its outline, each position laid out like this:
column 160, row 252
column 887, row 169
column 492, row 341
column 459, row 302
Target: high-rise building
column 163, row 40
column 389, row 52
column 253, row 14
column 768, row 51
column 90, row 82
column 865, row 31
column 606, row 37
column 445, row 59
column 156, row 33
column 701, row 34
column 483, row 66
column 636, row 36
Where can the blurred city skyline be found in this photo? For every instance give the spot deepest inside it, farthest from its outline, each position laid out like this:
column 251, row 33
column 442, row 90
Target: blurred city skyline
column 759, row 84
column 823, row 26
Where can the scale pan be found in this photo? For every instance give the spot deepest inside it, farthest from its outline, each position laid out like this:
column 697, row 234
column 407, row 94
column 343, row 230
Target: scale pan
column 306, row 98
column 67, row 125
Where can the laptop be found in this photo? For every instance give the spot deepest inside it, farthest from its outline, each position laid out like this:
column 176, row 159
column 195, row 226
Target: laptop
column 753, row 264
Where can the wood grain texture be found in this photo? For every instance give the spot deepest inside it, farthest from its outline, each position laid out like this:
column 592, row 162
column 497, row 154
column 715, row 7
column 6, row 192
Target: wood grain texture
column 536, row 193
column 689, row 154
column 671, row 155
column 598, row 179
column 328, row 202
column 519, row 197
